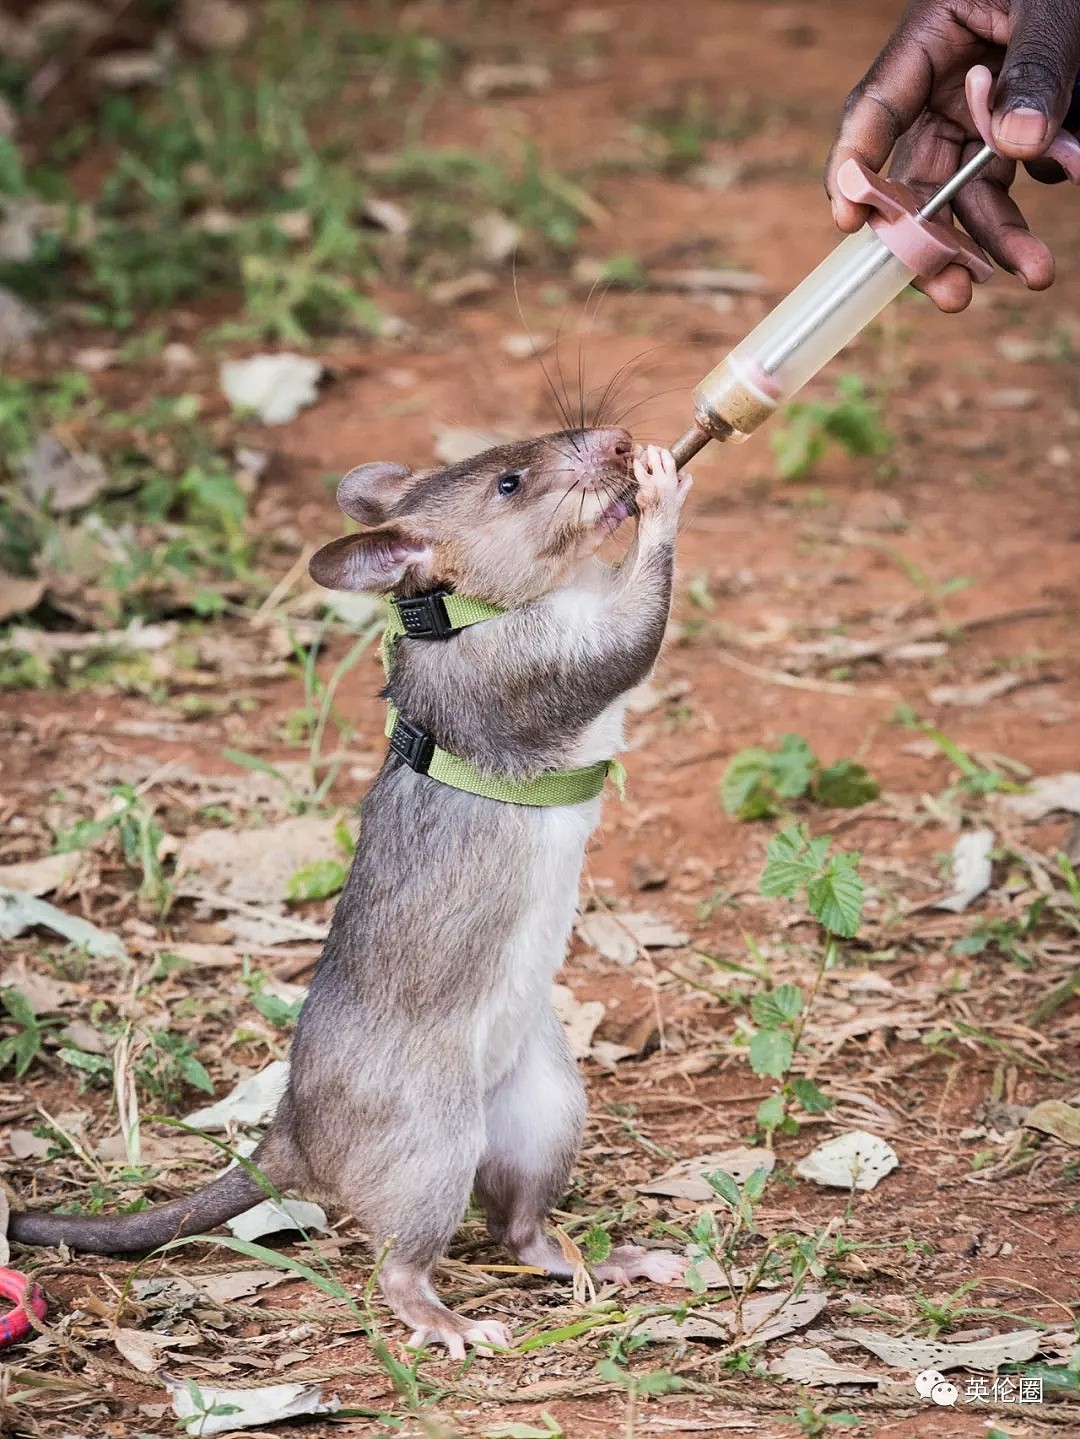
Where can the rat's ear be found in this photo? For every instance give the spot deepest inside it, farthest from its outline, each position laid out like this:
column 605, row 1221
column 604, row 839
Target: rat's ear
column 374, row 561
column 369, row 492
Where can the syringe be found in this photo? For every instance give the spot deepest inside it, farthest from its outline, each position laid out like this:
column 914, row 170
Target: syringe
column 853, row 284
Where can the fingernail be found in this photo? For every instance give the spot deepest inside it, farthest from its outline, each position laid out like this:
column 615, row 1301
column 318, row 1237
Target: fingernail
column 1023, row 127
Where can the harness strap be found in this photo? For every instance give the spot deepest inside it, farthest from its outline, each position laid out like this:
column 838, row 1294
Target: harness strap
column 439, row 616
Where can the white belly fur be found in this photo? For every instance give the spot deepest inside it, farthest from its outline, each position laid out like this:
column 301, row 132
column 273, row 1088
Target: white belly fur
column 535, row 950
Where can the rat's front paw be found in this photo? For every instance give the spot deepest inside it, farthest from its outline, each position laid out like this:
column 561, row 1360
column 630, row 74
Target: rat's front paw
column 660, row 486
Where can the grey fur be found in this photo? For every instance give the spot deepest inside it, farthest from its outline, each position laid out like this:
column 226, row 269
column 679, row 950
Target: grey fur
column 426, row 1053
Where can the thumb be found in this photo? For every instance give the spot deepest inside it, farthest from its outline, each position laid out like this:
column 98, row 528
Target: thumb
column 1035, row 85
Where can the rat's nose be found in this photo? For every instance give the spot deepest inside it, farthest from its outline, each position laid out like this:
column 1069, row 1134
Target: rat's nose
column 607, row 444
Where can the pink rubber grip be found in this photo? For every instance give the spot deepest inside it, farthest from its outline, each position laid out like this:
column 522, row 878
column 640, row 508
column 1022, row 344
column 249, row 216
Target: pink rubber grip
column 925, row 246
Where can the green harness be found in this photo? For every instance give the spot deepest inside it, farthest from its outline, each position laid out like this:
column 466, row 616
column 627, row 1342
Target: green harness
column 439, row 616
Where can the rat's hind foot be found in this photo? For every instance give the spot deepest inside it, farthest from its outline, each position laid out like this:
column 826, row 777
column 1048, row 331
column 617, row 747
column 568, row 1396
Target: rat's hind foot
column 623, row 1265
column 410, row 1294
column 486, row 1334
column 629, row 1262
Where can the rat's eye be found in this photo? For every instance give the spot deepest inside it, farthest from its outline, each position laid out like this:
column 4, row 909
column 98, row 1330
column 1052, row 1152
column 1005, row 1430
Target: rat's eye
column 510, row 482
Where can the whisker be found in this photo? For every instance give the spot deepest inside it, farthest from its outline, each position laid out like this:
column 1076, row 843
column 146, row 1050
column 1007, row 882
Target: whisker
column 560, row 410
column 659, row 394
column 562, row 380
column 622, row 371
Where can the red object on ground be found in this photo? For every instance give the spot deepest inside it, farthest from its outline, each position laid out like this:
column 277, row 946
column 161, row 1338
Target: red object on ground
column 15, row 1325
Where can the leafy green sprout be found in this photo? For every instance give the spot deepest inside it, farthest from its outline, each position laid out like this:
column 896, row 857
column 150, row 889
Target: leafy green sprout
column 975, row 778
column 813, row 1421
column 132, row 821
column 759, row 783
column 797, row 864
column 23, row 1047
column 852, row 420
column 163, row 1063
column 319, row 712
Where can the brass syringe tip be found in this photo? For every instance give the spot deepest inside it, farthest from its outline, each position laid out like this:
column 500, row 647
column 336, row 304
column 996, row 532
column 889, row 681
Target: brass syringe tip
column 696, row 438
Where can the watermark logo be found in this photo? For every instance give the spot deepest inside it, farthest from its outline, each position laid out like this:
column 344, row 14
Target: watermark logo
column 1002, row 1389
column 932, row 1385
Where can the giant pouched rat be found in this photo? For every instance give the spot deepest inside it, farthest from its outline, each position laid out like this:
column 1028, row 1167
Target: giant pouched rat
column 427, row 1061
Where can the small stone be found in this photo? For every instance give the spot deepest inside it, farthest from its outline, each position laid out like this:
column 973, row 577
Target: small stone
column 645, row 875
column 18, row 323
column 483, row 81
column 214, row 24
column 495, row 237
column 95, row 358
column 523, row 346
column 464, row 287
column 1012, row 399
column 177, row 357
column 129, row 70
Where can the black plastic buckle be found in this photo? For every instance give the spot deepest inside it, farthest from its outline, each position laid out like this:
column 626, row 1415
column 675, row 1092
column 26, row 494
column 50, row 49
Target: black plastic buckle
column 414, row 745
column 424, row 617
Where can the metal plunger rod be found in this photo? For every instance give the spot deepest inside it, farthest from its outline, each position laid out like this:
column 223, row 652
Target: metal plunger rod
column 697, row 437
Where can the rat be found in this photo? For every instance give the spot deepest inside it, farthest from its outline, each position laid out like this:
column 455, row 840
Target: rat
column 427, row 1062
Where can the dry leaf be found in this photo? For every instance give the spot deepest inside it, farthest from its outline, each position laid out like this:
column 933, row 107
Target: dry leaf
column 129, row 69
column 764, row 1317
column 137, row 636
column 254, row 866
column 61, row 479
column 919, row 1354
column 20, row 912
column 40, row 876
column 482, row 81
column 856, row 1159
column 686, row 1180
column 270, row 1217
column 1046, row 795
column 1054, row 1116
column 18, row 323
column 18, row 594
column 972, row 870
column 144, row 1349
column 579, row 1018
column 236, row 1284
column 244, row 1408
column 249, row 1104
column 273, row 387
column 386, row 215
column 25, row 1145
column 807, row 1365
column 462, row 287
column 977, row 694
column 622, row 935
column 725, row 282
column 214, row 24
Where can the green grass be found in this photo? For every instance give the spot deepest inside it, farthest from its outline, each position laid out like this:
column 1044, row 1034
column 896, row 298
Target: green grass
column 247, row 177
column 169, row 528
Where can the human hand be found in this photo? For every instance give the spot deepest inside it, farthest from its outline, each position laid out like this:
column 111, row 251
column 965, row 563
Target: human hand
column 911, row 103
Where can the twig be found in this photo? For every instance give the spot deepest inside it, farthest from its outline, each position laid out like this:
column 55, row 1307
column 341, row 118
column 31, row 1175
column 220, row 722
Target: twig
column 798, row 682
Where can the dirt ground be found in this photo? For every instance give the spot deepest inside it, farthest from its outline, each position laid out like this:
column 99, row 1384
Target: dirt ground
column 955, row 553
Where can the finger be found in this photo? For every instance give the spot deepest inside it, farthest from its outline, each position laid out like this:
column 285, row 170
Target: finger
column 951, row 290
column 1035, row 85
column 928, row 155
column 993, row 220
column 884, row 103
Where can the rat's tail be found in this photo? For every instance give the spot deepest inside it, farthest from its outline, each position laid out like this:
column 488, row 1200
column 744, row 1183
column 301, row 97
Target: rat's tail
column 224, row 1198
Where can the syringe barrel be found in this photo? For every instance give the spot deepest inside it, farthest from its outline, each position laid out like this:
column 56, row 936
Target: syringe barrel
column 837, row 300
